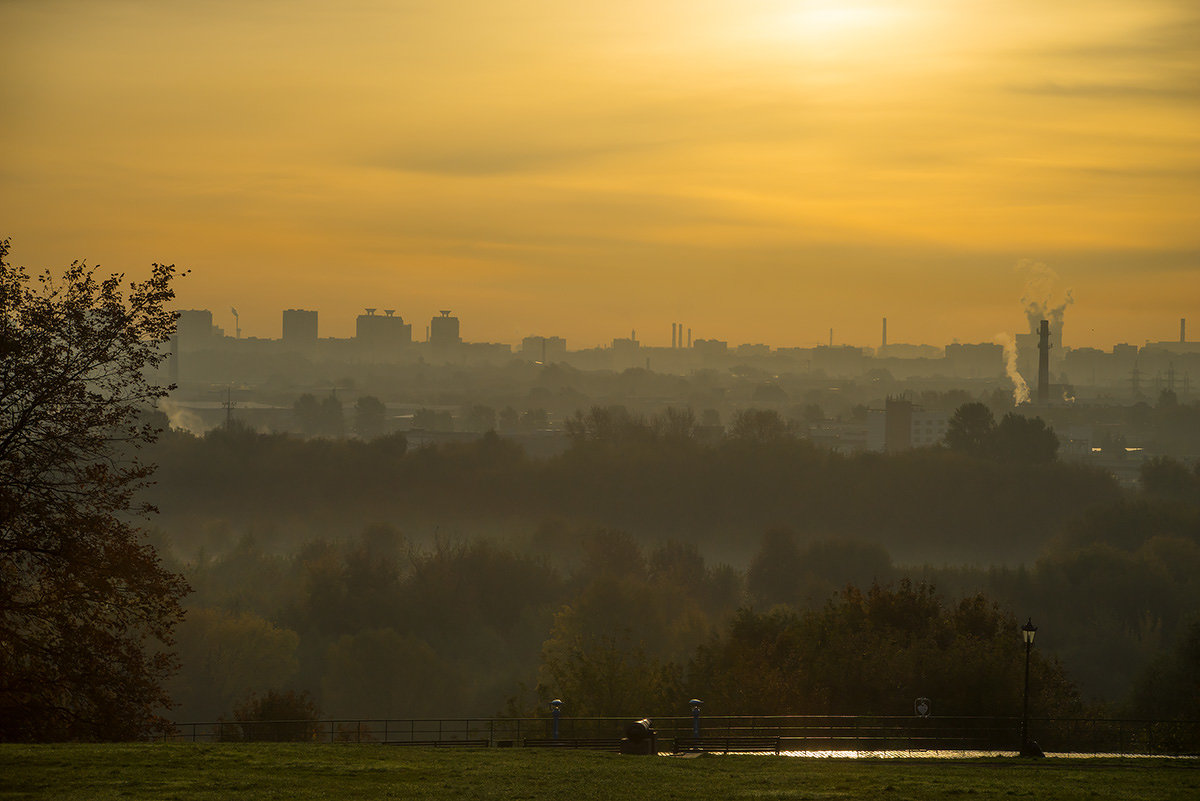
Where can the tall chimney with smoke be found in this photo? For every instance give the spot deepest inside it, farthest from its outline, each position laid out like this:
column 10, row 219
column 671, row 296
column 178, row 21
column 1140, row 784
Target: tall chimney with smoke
column 1044, row 362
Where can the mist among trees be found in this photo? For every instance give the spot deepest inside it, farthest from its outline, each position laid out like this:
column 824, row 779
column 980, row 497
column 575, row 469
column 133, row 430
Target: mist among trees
column 645, row 566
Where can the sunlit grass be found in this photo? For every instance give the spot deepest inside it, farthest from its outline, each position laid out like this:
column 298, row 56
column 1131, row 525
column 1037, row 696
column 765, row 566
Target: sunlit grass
column 265, row 771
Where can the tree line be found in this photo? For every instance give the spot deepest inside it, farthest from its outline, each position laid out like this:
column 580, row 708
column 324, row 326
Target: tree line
column 662, row 478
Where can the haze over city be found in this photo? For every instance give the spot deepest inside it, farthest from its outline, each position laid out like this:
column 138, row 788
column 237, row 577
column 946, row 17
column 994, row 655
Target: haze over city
column 646, row 377
column 763, row 170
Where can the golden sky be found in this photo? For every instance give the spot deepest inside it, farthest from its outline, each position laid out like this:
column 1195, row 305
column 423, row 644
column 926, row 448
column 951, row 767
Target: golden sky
column 759, row 170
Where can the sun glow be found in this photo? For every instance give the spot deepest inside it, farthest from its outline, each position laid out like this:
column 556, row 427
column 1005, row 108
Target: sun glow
column 834, row 34
column 834, row 23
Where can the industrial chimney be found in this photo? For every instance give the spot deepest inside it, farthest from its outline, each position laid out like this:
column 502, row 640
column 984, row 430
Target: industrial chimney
column 1182, row 330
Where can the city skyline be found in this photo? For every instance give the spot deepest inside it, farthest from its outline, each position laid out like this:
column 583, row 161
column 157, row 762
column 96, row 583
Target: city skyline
column 763, row 170
column 650, row 336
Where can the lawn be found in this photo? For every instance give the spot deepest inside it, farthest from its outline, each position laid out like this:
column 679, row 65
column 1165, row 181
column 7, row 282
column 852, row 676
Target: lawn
column 268, row 771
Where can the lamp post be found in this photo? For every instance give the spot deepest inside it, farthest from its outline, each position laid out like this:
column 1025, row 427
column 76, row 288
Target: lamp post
column 1027, row 632
column 556, row 710
column 696, row 704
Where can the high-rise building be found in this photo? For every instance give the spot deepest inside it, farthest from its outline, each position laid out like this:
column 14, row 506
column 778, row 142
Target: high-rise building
column 443, row 329
column 299, row 327
column 194, row 329
column 381, row 335
column 544, row 349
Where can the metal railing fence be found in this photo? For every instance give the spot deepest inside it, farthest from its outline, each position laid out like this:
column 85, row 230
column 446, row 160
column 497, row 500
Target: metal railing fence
column 796, row 732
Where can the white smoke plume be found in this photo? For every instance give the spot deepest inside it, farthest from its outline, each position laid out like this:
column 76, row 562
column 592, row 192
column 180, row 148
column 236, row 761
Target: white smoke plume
column 1020, row 387
column 181, row 418
column 1044, row 297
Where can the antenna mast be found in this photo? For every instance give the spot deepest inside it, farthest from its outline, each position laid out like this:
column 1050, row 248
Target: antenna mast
column 229, row 405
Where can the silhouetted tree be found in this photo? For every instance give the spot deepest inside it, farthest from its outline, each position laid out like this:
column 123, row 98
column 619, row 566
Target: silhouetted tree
column 333, row 419
column 83, row 599
column 278, row 716
column 308, row 413
column 225, row 656
column 1025, row 440
column 1169, row 688
column 872, row 652
column 1169, row 478
column 970, row 429
column 759, row 425
column 370, row 417
column 775, row 570
column 378, row 673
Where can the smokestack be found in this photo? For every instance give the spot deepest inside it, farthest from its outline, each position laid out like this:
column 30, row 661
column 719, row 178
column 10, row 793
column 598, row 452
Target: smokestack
column 1182, row 330
column 689, row 338
column 674, row 334
column 884, row 334
column 831, row 337
column 1044, row 362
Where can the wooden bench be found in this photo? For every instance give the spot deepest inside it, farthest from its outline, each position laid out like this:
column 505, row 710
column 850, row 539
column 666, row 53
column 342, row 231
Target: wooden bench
column 726, row 745
column 441, row 743
column 596, row 743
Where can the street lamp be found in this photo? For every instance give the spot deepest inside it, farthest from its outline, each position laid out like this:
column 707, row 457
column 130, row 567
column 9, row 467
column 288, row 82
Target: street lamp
column 1027, row 632
column 556, row 710
column 696, row 704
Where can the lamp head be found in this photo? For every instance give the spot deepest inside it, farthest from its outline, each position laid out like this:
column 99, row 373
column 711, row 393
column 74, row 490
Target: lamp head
column 1028, row 631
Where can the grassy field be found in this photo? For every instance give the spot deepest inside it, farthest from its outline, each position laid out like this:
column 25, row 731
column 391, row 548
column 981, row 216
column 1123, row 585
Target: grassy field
column 266, row 771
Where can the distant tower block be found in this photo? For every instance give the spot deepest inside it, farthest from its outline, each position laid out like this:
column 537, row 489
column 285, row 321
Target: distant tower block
column 443, row 330
column 380, row 336
column 299, row 327
column 1044, row 362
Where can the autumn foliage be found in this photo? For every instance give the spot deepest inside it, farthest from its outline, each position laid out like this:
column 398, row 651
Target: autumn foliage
column 85, row 605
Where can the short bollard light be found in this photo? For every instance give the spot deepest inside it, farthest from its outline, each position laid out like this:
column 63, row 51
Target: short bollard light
column 556, row 710
column 696, row 704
